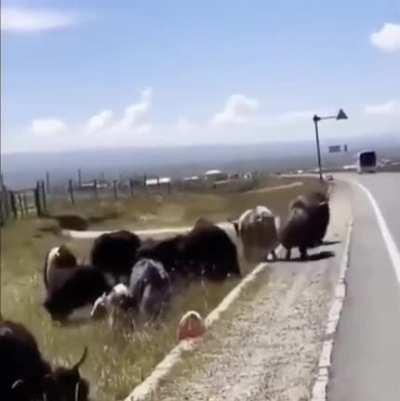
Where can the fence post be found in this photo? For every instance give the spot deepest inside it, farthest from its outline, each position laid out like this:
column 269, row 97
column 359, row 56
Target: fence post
column 131, row 187
column 37, row 201
column 115, row 189
column 13, row 202
column 44, row 200
column 71, row 191
column 20, row 204
column 79, row 178
column 25, row 202
column 95, row 189
column 47, row 182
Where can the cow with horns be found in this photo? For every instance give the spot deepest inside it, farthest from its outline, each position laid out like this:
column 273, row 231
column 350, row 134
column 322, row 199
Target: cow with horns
column 26, row 376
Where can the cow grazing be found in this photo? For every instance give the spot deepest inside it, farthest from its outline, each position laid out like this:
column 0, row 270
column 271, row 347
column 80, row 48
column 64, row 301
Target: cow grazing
column 306, row 225
column 148, row 294
column 190, row 326
column 212, row 251
column 81, row 288
column 115, row 253
column 58, row 265
column 26, row 376
column 258, row 230
column 149, row 287
column 169, row 252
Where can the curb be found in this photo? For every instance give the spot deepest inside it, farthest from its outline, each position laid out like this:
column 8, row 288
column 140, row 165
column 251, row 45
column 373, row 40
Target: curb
column 319, row 391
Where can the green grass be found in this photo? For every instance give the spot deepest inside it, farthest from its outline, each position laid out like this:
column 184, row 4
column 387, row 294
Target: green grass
column 118, row 359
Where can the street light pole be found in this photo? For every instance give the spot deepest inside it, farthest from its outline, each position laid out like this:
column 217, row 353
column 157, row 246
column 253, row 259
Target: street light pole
column 340, row 116
column 316, row 119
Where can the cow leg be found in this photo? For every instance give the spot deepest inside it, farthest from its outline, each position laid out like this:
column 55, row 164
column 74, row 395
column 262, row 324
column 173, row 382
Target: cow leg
column 273, row 254
column 288, row 253
column 303, row 253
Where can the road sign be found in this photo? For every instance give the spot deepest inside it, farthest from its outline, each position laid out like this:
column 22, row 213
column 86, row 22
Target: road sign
column 335, row 149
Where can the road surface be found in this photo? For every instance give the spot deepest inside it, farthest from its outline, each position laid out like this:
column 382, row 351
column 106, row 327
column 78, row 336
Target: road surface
column 366, row 353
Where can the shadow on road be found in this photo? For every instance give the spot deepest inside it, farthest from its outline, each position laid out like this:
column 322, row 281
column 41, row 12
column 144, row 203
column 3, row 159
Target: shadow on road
column 312, row 257
column 330, row 242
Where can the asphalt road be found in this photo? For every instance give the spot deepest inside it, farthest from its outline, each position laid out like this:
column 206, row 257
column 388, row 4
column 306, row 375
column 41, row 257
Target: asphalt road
column 366, row 353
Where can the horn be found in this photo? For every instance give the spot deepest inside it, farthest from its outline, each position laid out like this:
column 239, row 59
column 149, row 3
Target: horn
column 80, row 362
column 77, row 392
column 16, row 384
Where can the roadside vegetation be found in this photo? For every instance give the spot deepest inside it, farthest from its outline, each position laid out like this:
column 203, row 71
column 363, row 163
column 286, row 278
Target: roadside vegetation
column 118, row 359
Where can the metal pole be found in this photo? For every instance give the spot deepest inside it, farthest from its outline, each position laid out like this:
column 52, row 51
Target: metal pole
column 316, row 119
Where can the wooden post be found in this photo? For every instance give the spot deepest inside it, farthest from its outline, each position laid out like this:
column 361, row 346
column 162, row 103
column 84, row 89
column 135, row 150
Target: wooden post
column 131, row 185
column 115, row 189
column 43, row 193
column 79, row 178
column 37, row 201
column 96, row 194
column 47, row 182
column 20, row 204
column 25, row 203
column 13, row 202
column 71, row 191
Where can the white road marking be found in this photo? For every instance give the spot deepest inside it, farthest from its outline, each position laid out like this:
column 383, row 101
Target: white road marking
column 319, row 391
column 391, row 246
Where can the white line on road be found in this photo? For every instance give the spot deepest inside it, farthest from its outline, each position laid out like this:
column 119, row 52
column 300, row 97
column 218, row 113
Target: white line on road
column 387, row 236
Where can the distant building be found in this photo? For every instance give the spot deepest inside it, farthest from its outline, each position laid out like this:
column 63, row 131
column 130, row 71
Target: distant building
column 158, row 181
column 193, row 179
column 215, row 175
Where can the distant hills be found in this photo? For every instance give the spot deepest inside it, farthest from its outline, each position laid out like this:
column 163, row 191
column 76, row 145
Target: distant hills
column 22, row 169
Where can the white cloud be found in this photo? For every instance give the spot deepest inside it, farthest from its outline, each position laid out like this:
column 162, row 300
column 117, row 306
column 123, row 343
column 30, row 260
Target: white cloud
column 24, row 20
column 294, row 116
column 99, row 121
column 387, row 38
column 137, row 115
column 389, row 108
column 184, row 125
column 48, row 127
column 237, row 110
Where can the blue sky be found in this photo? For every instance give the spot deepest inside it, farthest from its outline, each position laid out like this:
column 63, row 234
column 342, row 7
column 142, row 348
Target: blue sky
column 113, row 73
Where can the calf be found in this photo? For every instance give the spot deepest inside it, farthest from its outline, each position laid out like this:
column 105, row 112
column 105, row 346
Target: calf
column 149, row 287
column 148, row 293
column 26, row 376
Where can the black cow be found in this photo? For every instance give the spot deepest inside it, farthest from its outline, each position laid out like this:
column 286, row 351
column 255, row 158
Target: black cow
column 81, row 287
column 306, row 225
column 207, row 251
column 26, row 376
column 114, row 253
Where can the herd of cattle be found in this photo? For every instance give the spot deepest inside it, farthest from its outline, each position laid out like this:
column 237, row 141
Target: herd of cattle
column 136, row 278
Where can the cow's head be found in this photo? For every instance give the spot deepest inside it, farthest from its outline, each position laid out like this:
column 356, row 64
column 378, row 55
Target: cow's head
column 60, row 257
column 62, row 384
